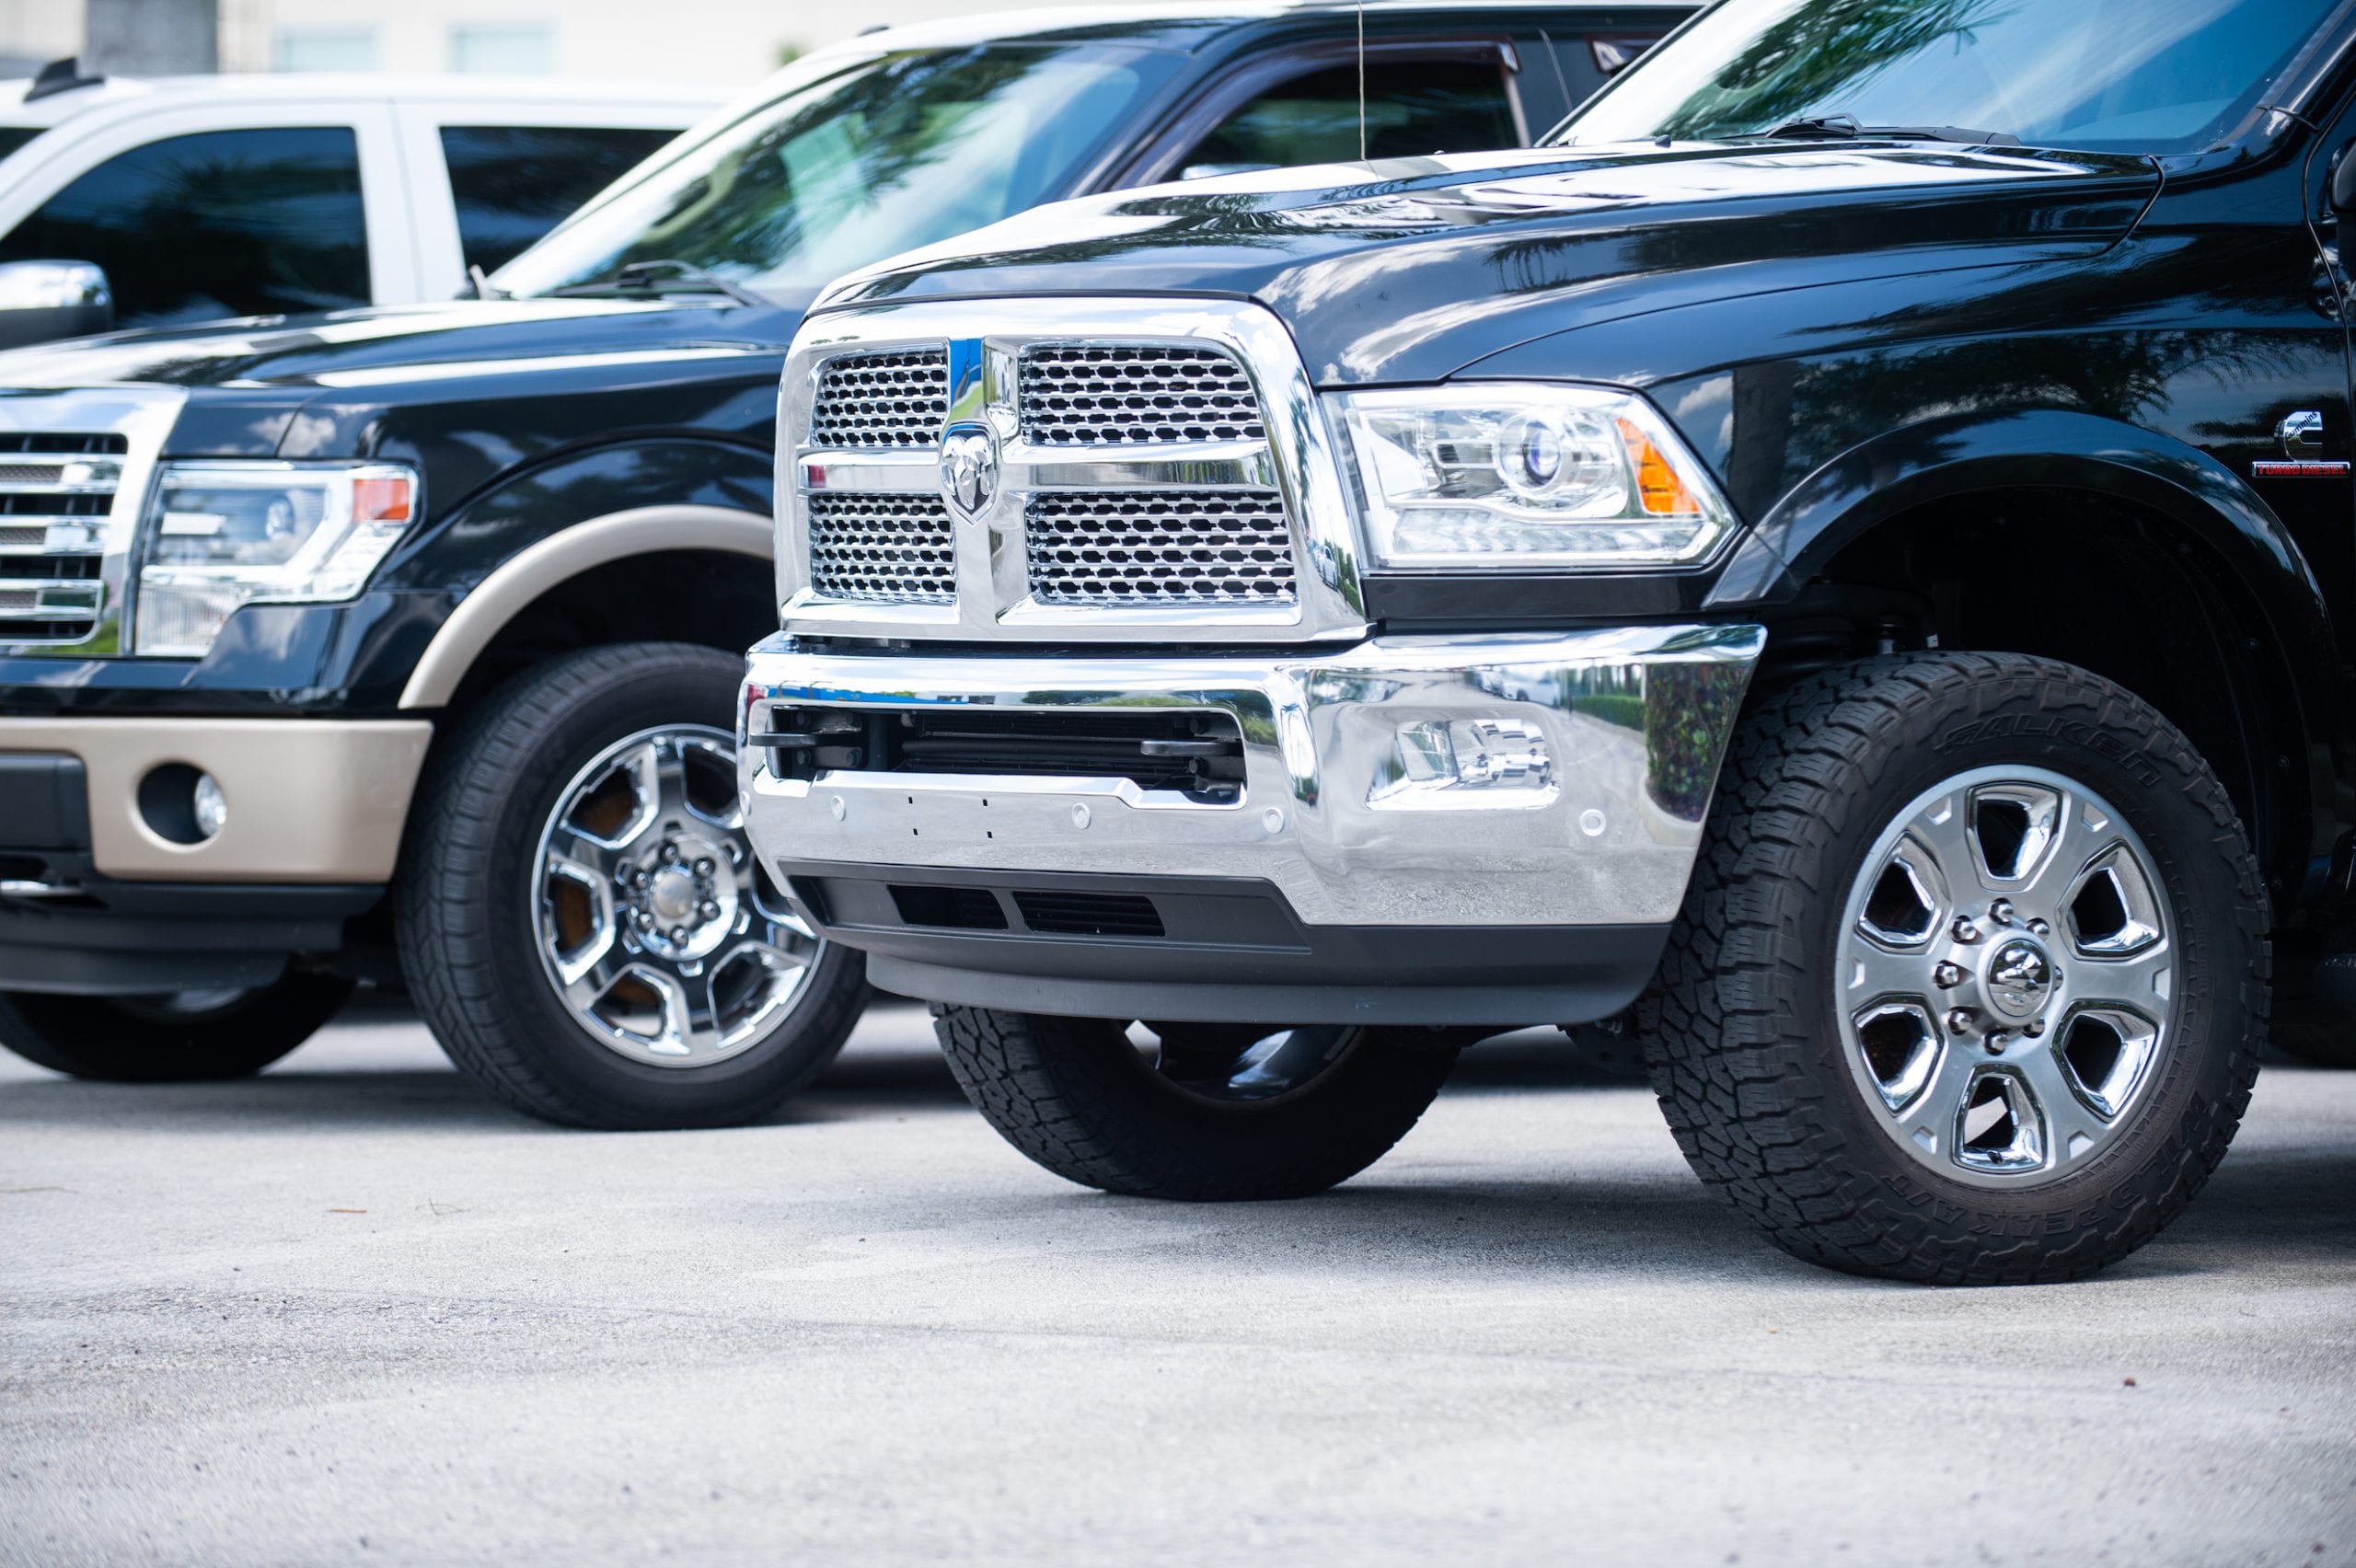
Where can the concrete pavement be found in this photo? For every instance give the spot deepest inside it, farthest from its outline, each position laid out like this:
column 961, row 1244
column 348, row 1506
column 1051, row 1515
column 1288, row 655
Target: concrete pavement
column 348, row 1311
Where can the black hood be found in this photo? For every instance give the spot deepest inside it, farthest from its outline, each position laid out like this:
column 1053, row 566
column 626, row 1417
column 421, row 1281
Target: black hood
column 249, row 379
column 1408, row 271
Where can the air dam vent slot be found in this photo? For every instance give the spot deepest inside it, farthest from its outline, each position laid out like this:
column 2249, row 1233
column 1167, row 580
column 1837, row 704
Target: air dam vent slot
column 1088, row 914
column 1200, row 755
column 953, row 908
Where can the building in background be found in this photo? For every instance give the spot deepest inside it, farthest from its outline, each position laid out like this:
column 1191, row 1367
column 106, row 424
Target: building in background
column 704, row 41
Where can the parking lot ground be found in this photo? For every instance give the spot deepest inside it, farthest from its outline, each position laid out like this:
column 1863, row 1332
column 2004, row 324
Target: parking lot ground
column 350, row 1311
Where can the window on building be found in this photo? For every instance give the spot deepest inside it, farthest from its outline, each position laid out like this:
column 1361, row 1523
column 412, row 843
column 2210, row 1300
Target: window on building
column 1410, row 109
column 507, row 49
column 513, row 183
column 324, row 49
column 221, row 223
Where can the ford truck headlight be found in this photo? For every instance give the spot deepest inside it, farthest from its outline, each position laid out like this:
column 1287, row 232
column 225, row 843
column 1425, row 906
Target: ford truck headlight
column 1524, row 474
column 224, row 533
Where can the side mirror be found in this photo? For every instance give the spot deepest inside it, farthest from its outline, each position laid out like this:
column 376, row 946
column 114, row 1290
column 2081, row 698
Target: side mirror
column 43, row 300
column 2343, row 182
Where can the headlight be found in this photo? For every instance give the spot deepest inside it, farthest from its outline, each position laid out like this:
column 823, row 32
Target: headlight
column 1517, row 473
column 221, row 534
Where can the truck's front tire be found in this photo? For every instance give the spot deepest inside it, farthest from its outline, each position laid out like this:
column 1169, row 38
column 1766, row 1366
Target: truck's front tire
column 1970, row 980
column 582, row 921
column 1203, row 1112
column 186, row 1037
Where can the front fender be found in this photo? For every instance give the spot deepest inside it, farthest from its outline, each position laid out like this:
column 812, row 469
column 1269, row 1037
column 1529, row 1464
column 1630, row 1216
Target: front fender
column 1977, row 453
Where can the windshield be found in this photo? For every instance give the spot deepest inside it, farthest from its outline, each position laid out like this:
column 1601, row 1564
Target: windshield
column 2103, row 75
column 882, row 157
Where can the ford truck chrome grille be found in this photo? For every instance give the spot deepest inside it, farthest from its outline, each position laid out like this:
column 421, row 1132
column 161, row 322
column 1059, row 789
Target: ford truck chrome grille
column 56, row 489
column 881, row 550
column 1059, row 470
column 75, row 467
column 1086, row 393
column 1159, row 547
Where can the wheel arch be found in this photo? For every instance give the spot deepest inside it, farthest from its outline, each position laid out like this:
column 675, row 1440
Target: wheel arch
column 544, row 569
column 2191, row 541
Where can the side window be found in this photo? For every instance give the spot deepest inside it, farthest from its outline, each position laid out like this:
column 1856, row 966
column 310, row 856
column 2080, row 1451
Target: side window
column 513, row 183
column 222, row 222
column 1410, row 109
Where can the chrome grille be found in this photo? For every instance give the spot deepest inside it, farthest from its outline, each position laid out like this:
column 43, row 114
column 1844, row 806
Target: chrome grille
column 883, row 550
column 896, row 398
column 1160, row 548
column 53, row 524
column 1110, row 395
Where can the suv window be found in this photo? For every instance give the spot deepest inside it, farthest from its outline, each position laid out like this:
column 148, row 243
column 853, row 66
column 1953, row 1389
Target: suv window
column 219, row 223
column 15, row 136
column 513, row 183
column 1411, row 108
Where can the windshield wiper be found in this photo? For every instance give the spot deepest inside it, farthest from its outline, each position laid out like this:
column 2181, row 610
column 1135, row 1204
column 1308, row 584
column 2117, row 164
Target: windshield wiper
column 643, row 278
column 1845, row 128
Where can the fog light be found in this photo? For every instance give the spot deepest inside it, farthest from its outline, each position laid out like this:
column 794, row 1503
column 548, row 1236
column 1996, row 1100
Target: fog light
column 1444, row 764
column 211, row 806
column 183, row 804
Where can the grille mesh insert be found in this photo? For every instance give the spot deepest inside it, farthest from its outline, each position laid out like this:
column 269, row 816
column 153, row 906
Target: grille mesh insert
column 1078, row 394
column 883, row 550
column 1159, row 547
column 894, row 398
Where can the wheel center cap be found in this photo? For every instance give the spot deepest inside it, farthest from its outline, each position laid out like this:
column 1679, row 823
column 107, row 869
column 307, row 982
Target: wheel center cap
column 671, row 893
column 2020, row 978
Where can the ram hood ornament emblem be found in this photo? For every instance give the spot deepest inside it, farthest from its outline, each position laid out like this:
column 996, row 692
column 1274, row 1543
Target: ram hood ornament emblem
column 969, row 469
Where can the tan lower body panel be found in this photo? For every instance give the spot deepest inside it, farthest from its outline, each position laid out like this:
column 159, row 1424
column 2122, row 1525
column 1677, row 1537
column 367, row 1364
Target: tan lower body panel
column 309, row 801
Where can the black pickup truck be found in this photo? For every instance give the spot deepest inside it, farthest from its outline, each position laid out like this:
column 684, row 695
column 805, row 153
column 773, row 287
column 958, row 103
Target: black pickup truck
column 1847, row 551
column 406, row 640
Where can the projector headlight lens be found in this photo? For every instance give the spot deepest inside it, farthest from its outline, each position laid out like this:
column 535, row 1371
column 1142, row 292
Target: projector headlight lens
column 1524, row 474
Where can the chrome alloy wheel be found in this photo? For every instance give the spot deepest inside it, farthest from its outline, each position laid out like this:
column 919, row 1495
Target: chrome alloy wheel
column 2003, row 976
column 653, row 922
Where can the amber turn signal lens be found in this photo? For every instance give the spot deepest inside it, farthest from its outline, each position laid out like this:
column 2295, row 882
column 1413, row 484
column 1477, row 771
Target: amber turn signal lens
column 1663, row 492
column 380, row 501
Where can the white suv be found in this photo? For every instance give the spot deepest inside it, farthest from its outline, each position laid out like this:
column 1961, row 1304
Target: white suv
column 210, row 196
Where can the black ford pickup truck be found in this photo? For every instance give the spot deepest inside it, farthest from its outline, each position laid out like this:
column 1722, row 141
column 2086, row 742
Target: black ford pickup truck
column 1846, row 550
column 405, row 639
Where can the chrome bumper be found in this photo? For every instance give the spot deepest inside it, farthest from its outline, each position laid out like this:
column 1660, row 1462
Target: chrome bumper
column 1508, row 780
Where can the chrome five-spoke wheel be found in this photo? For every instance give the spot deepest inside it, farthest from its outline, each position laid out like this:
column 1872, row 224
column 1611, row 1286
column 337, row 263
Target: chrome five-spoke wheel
column 655, row 923
column 2005, row 973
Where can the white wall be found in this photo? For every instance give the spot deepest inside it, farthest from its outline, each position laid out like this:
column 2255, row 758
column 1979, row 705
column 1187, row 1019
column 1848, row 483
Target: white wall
column 696, row 40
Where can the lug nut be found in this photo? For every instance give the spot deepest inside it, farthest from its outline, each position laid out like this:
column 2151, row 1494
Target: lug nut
column 1961, row 1020
column 678, row 935
column 704, row 867
column 1965, row 931
column 1996, row 1042
column 2039, row 928
column 670, row 853
column 1947, row 976
column 645, row 921
column 2001, row 912
column 709, row 910
column 2033, row 1028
